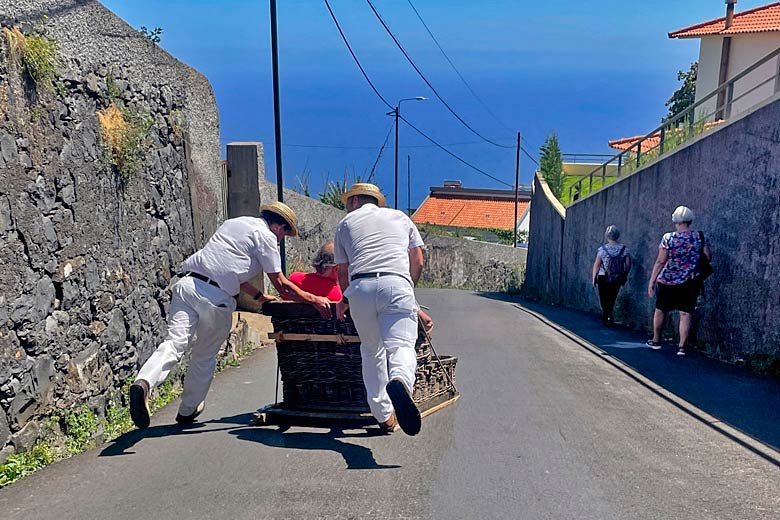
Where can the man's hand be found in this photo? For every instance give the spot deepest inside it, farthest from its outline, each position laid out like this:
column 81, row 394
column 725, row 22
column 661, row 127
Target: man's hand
column 322, row 305
column 341, row 310
column 427, row 321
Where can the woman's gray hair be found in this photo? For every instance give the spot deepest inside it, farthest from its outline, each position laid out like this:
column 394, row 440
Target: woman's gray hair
column 682, row 214
column 612, row 233
column 324, row 258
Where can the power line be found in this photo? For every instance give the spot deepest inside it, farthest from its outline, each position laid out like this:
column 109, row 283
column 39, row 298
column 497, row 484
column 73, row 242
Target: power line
column 452, row 154
column 379, row 155
column 379, row 95
column 473, row 93
column 433, row 89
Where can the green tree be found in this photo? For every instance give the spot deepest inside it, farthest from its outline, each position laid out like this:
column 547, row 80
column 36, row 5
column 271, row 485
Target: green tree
column 551, row 164
column 684, row 96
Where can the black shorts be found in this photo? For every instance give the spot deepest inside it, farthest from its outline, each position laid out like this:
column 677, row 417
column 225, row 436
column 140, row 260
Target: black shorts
column 680, row 297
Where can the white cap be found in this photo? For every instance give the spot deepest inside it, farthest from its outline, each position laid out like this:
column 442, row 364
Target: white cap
column 682, row 214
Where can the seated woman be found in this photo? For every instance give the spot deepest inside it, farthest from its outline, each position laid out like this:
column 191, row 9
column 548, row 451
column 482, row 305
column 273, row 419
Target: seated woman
column 324, row 281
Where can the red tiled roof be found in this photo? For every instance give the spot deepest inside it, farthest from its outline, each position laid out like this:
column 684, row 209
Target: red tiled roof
column 651, row 142
column 473, row 213
column 757, row 20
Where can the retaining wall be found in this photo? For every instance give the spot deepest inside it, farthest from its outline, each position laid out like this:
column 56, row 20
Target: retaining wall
column 730, row 177
column 86, row 253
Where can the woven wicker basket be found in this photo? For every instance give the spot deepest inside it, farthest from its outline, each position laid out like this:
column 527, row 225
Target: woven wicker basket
column 327, row 374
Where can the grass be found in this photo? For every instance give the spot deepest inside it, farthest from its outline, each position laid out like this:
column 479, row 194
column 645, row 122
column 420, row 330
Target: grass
column 36, row 54
column 19, row 465
column 123, row 132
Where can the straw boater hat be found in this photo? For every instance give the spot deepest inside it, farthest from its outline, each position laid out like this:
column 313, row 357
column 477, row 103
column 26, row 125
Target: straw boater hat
column 284, row 211
column 364, row 188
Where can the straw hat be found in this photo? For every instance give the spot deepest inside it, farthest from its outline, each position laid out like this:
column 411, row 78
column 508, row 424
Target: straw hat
column 364, row 188
column 284, row 211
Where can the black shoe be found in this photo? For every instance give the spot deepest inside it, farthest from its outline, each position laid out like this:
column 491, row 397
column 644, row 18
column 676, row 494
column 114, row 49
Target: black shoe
column 681, row 352
column 406, row 413
column 189, row 419
column 139, row 404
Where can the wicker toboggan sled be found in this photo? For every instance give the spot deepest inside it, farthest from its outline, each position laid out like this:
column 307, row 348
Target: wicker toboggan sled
column 320, row 367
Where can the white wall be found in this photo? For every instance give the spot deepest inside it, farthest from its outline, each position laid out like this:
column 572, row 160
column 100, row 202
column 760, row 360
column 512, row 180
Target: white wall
column 746, row 49
column 709, row 70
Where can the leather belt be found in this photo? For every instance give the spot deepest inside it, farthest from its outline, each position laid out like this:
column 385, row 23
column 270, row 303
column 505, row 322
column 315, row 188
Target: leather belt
column 202, row 278
column 374, row 275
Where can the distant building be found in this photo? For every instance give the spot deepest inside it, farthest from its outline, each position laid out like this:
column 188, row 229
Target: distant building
column 474, row 212
column 731, row 44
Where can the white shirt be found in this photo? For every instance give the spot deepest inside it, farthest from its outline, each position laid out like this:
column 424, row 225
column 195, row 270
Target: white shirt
column 373, row 239
column 241, row 249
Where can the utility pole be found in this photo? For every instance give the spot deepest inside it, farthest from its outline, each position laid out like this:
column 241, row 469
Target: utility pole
column 397, row 115
column 409, row 185
column 517, row 182
column 277, row 121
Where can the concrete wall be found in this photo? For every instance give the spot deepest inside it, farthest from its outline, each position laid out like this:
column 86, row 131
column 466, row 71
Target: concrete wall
column 472, row 265
column 547, row 219
column 730, row 177
column 86, row 253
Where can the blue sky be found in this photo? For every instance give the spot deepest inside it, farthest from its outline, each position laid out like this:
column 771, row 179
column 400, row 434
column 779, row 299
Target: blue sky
column 589, row 70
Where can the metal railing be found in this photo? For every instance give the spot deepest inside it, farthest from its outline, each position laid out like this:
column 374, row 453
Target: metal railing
column 673, row 132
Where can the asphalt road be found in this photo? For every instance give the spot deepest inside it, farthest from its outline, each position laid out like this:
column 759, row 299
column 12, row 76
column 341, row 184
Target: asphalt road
column 544, row 429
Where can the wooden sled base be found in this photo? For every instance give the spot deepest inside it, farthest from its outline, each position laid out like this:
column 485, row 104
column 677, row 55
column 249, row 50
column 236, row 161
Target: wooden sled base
column 279, row 414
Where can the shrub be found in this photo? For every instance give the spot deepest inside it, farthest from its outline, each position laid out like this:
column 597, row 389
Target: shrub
column 19, row 465
column 79, row 428
column 36, row 54
column 123, row 132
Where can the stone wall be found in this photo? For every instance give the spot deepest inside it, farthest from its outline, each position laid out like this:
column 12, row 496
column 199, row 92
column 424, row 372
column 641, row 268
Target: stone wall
column 730, row 177
column 542, row 278
column 86, row 251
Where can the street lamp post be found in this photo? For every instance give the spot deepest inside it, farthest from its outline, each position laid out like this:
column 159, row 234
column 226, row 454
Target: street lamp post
column 396, row 112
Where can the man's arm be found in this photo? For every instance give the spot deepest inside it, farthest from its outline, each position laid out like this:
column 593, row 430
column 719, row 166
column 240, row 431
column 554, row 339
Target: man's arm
column 256, row 293
column 289, row 290
column 416, row 261
column 341, row 307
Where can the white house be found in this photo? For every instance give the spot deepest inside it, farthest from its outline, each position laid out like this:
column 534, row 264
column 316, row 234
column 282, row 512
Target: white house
column 731, row 44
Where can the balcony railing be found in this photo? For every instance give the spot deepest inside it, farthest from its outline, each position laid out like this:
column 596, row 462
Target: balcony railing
column 692, row 122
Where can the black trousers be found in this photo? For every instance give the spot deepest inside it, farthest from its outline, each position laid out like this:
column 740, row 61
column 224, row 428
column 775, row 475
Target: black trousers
column 608, row 292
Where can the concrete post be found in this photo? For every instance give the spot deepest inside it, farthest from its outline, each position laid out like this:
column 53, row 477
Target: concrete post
column 244, row 166
column 244, row 169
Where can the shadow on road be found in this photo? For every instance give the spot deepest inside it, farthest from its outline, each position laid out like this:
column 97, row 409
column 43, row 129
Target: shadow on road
column 121, row 444
column 747, row 402
column 355, row 456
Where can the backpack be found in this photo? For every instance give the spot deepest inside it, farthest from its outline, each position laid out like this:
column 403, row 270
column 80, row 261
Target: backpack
column 615, row 267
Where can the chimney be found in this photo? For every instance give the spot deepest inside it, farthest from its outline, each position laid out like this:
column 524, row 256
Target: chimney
column 730, row 12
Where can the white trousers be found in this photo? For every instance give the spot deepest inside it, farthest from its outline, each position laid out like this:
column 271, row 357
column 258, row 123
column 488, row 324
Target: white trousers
column 384, row 310
column 199, row 319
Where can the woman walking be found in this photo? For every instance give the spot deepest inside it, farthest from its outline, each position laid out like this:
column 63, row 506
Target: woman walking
column 675, row 280
column 610, row 272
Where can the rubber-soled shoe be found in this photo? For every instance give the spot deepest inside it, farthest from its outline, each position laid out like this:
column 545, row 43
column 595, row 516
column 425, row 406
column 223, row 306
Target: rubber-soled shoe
column 189, row 419
column 681, row 352
column 653, row 344
column 406, row 412
column 139, row 404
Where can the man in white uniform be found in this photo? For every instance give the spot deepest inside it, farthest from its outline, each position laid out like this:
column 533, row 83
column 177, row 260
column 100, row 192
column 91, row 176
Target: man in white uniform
column 203, row 302
column 379, row 252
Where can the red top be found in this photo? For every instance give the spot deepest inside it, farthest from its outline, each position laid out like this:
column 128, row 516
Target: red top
column 318, row 285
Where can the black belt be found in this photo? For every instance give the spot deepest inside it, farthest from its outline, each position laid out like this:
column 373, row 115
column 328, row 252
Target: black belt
column 374, row 275
column 202, row 278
